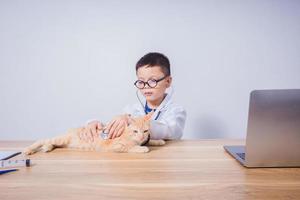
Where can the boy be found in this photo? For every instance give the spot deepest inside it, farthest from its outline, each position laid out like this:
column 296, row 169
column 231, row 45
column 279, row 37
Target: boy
column 154, row 78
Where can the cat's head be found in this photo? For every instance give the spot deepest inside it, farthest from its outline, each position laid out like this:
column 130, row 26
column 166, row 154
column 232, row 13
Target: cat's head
column 139, row 129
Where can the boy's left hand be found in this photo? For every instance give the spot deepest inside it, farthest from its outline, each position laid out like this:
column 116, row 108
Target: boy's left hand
column 117, row 126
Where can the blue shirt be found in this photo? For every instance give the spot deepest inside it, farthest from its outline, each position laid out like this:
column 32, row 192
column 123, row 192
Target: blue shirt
column 148, row 109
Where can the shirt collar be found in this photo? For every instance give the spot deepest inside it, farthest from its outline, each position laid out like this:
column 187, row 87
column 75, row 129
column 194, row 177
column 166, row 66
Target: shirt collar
column 148, row 109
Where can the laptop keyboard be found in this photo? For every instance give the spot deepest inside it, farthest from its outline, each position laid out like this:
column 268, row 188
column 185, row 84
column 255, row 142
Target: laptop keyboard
column 241, row 155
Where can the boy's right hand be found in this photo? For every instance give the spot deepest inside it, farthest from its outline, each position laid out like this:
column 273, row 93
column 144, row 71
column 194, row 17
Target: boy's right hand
column 91, row 131
column 116, row 127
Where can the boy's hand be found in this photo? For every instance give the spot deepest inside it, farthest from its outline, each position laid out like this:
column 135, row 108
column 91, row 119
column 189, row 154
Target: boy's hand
column 116, row 127
column 91, row 131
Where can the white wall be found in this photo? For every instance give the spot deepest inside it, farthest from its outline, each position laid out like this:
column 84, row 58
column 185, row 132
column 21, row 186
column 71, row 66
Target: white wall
column 63, row 62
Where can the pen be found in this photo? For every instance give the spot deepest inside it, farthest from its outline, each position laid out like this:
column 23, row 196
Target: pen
column 7, row 171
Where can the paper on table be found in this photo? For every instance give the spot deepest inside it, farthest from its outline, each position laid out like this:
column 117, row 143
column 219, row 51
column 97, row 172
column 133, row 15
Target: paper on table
column 4, row 155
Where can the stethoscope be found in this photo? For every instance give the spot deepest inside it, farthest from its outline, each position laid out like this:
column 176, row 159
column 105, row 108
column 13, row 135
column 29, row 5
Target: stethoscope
column 158, row 110
column 162, row 105
column 104, row 134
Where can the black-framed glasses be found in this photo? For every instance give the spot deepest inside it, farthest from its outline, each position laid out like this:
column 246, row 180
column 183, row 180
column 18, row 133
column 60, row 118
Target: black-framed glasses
column 152, row 83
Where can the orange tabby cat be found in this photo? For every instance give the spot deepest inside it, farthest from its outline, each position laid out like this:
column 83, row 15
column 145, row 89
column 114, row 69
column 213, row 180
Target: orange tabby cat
column 132, row 140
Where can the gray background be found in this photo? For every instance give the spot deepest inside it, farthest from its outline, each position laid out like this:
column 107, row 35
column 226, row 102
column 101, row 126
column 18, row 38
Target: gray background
column 64, row 62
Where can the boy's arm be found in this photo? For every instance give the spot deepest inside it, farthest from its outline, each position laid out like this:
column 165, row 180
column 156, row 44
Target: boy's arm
column 170, row 127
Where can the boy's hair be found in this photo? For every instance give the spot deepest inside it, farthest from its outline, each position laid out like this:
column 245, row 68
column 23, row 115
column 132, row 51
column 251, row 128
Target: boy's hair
column 155, row 59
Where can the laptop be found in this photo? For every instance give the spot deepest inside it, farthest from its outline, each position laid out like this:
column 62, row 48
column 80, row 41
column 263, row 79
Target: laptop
column 273, row 130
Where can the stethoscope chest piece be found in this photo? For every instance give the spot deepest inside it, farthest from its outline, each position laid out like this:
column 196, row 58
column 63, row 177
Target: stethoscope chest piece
column 104, row 135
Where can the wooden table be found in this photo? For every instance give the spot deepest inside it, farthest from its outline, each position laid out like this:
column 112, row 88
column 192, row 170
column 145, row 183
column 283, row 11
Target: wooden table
column 198, row 169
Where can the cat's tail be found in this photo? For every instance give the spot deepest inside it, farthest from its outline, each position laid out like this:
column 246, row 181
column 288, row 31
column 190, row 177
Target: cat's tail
column 48, row 144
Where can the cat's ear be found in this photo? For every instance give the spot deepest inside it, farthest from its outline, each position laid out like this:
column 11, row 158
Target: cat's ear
column 148, row 116
column 130, row 120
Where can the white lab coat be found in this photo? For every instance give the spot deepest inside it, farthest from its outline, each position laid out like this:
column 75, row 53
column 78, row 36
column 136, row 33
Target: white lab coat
column 170, row 120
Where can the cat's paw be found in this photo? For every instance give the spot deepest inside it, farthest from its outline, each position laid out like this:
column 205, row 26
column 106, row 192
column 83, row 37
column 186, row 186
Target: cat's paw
column 46, row 148
column 27, row 151
column 161, row 142
column 144, row 150
column 157, row 142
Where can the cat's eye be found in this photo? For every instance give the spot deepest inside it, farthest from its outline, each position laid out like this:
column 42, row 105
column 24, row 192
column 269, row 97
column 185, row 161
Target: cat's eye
column 145, row 131
column 135, row 131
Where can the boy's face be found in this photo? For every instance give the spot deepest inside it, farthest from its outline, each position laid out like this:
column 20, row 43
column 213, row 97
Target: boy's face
column 147, row 73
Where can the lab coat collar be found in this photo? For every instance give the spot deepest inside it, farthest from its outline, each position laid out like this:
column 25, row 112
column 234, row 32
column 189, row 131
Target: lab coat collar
column 163, row 104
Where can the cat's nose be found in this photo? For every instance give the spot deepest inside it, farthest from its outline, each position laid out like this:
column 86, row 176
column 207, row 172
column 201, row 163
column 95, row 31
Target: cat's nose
column 141, row 137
